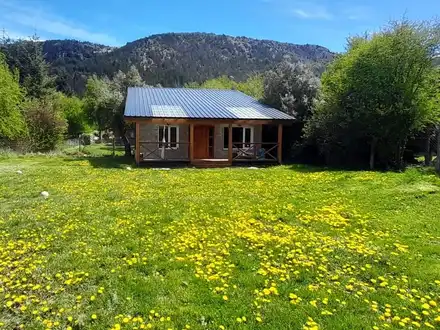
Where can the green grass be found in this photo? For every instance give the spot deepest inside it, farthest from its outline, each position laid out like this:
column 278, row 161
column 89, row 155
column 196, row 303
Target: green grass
column 287, row 247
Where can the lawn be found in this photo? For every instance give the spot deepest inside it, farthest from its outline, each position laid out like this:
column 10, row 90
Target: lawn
column 287, row 247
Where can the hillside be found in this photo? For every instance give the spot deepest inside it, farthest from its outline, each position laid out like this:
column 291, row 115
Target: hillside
column 175, row 58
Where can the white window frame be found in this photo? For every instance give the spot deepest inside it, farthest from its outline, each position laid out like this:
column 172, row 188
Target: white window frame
column 244, row 135
column 168, row 143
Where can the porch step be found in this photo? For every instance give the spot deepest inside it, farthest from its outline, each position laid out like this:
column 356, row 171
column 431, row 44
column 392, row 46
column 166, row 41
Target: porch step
column 210, row 163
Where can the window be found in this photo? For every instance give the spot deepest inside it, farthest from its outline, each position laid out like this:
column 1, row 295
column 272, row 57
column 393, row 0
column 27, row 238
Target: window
column 168, row 136
column 242, row 137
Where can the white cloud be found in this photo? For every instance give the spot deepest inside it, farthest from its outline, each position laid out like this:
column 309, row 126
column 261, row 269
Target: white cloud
column 40, row 19
column 312, row 12
column 357, row 13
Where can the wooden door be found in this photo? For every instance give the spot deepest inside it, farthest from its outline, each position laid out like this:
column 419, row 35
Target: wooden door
column 201, row 142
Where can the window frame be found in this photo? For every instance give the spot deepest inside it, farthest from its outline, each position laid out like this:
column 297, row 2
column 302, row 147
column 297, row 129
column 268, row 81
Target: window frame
column 251, row 128
column 168, row 141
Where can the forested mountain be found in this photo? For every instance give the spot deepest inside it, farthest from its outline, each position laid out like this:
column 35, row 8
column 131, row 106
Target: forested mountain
column 174, row 59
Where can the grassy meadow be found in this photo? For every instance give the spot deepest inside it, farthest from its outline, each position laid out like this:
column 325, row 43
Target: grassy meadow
column 289, row 247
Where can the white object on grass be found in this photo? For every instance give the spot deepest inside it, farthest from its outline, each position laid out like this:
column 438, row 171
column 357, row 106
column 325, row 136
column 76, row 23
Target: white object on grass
column 19, row 172
column 253, row 168
column 44, row 194
column 128, row 168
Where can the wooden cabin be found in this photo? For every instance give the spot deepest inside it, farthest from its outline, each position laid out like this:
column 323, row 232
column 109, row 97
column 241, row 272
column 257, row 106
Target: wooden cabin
column 203, row 127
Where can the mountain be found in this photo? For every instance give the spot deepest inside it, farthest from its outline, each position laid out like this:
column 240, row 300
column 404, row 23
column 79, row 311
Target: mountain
column 173, row 59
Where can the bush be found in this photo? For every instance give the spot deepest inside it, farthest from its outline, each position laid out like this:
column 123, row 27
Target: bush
column 73, row 110
column 46, row 124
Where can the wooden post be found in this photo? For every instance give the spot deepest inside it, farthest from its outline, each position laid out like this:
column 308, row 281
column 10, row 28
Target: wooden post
column 191, row 142
column 137, row 150
column 280, row 143
column 230, row 143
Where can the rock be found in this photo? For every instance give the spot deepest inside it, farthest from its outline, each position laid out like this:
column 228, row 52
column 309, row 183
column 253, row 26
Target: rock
column 19, row 172
column 44, row 194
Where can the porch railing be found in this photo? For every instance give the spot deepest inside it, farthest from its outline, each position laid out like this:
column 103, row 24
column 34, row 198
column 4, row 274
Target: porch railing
column 154, row 150
column 254, row 150
column 159, row 150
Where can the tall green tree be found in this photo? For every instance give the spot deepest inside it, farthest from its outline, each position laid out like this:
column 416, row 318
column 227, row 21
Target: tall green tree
column 12, row 123
column 101, row 102
column 292, row 88
column 373, row 94
column 120, row 84
column 27, row 57
column 73, row 110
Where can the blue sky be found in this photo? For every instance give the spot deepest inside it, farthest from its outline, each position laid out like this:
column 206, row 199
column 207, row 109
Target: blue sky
column 116, row 22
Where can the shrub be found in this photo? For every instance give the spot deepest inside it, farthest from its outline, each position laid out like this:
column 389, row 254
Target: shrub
column 46, row 124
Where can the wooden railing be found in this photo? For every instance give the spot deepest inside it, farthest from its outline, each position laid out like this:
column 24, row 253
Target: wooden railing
column 155, row 150
column 160, row 149
column 254, row 150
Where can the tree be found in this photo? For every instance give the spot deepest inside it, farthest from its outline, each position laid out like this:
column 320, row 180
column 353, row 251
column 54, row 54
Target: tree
column 292, row 88
column 11, row 119
column 252, row 86
column 120, row 84
column 373, row 94
column 73, row 111
column 101, row 102
column 26, row 56
column 45, row 122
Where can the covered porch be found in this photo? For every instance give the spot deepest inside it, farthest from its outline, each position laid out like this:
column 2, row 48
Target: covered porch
column 207, row 142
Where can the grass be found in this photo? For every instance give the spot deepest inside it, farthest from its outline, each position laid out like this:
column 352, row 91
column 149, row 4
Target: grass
column 275, row 248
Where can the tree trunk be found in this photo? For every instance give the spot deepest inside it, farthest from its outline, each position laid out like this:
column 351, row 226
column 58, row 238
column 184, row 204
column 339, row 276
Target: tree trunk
column 428, row 154
column 373, row 153
column 127, row 146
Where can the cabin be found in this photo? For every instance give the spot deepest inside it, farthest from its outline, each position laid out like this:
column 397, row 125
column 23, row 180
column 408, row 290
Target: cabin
column 203, row 127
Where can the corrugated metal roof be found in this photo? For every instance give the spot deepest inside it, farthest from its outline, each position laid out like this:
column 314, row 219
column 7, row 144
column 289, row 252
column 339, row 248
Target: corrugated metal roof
column 190, row 103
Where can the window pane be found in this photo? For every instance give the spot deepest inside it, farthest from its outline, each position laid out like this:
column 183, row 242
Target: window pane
column 173, row 137
column 225, row 137
column 237, row 137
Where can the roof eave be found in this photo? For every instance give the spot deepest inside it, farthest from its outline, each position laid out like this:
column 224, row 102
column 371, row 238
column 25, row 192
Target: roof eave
column 166, row 120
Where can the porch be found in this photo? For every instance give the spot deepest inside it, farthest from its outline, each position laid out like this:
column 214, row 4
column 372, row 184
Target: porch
column 207, row 143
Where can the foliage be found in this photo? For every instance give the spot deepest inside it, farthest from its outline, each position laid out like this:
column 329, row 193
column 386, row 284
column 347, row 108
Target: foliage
column 26, row 56
column 120, row 84
column 101, row 102
column 105, row 99
column 74, row 113
column 11, row 119
column 373, row 95
column 45, row 122
column 292, row 88
column 253, row 86
column 342, row 250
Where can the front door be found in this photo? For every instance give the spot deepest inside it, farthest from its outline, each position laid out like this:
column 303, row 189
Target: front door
column 201, row 142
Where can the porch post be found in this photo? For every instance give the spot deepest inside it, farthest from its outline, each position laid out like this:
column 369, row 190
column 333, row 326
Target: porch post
column 137, row 151
column 230, row 144
column 280, row 143
column 191, row 142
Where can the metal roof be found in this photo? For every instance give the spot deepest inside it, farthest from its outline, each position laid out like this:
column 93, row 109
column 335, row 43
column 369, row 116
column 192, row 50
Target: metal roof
column 150, row 102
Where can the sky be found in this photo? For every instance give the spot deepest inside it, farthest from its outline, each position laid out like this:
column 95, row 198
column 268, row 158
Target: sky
column 116, row 22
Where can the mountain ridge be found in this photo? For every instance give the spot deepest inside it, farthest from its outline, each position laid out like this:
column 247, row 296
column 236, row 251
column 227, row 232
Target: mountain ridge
column 173, row 59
